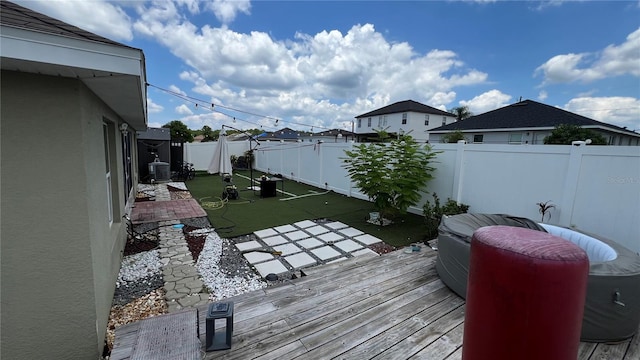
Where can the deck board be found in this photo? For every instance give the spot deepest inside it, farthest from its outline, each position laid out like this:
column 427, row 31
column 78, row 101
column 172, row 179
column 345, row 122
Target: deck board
column 386, row 307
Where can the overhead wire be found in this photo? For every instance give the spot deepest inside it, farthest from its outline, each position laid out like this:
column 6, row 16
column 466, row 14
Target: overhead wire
column 205, row 105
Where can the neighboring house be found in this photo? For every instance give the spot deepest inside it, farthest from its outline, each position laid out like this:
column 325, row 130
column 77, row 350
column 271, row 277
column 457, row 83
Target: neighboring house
column 529, row 122
column 328, row 136
column 65, row 186
column 404, row 117
column 284, row 134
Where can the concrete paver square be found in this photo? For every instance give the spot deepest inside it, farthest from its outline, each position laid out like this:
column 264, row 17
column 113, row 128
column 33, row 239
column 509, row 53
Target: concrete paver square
column 271, row 267
column 256, row 257
column 265, row 233
column 325, row 252
column 310, row 243
column 300, row 260
column 330, row 237
column 275, row 240
column 287, row 249
column 367, row 239
column 297, row 235
column 365, row 251
column 304, row 224
column 350, row 232
column 284, row 228
column 348, row 245
column 317, row 230
column 336, row 225
column 248, row 245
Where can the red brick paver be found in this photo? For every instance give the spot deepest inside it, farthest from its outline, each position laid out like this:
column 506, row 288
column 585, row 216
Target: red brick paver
column 152, row 211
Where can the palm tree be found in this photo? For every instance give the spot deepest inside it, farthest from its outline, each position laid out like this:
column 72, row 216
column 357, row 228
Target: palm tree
column 462, row 112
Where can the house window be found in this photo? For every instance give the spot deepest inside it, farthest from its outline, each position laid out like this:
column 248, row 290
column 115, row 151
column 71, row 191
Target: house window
column 515, row 138
column 479, row 138
column 444, row 120
column 108, row 148
column 379, row 122
column 404, row 118
column 359, row 123
column 384, row 120
column 369, row 122
column 426, row 119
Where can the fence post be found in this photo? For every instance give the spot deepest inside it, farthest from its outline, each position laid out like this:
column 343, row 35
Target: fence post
column 571, row 183
column 458, row 172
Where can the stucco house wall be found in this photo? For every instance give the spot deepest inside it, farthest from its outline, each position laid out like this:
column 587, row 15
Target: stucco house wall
column 60, row 253
column 69, row 99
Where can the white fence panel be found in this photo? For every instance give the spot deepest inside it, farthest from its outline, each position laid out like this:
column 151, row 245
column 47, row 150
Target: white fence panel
column 594, row 188
column 200, row 154
column 512, row 179
column 607, row 196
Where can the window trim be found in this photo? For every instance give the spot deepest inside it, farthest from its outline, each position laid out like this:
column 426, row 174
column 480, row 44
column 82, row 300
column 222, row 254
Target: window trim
column 511, row 134
column 108, row 179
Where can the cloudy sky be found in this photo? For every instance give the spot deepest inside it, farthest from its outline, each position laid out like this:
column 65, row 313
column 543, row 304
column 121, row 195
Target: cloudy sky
column 321, row 63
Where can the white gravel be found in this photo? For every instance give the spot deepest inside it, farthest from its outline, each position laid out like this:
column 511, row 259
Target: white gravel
column 139, row 266
column 219, row 284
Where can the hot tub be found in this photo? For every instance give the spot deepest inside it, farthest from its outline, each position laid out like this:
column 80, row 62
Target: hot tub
column 612, row 308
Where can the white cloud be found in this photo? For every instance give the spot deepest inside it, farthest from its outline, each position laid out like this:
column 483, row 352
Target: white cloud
column 97, row 16
column 543, row 95
column 183, row 110
column 152, row 107
column 329, row 76
column 177, row 90
column 616, row 110
column 614, row 60
column 226, row 10
column 490, row 100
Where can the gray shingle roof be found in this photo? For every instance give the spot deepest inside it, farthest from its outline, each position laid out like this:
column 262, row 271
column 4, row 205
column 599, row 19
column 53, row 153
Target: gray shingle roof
column 525, row 114
column 20, row 17
column 406, row 106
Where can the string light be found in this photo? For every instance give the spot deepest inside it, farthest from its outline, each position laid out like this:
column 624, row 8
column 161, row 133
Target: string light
column 213, row 107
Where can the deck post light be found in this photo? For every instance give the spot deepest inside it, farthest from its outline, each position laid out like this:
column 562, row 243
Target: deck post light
column 220, row 340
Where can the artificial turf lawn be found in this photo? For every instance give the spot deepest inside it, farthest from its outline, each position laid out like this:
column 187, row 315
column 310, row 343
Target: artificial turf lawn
column 251, row 212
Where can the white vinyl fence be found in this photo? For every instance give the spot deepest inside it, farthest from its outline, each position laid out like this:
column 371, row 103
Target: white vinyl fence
column 200, row 154
column 594, row 188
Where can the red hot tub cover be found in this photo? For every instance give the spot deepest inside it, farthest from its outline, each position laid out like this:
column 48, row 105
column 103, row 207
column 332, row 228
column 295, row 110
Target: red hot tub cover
column 525, row 297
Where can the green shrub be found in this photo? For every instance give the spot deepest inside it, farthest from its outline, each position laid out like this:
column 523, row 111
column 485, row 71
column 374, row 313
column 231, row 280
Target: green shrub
column 433, row 213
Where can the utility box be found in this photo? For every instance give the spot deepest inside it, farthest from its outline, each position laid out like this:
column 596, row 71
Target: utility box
column 159, row 171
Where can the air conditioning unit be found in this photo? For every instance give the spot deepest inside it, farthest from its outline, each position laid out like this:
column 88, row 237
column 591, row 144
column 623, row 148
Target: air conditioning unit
column 160, row 171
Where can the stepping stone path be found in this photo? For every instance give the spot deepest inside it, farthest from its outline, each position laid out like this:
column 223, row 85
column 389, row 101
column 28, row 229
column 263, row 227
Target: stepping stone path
column 182, row 285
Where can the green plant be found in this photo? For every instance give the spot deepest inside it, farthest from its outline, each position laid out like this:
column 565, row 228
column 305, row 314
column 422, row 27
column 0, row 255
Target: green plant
column 564, row 134
column 433, row 213
column 544, row 208
column 391, row 174
column 453, row 137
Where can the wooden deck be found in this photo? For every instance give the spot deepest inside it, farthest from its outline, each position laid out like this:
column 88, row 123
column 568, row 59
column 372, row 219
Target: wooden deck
column 388, row 307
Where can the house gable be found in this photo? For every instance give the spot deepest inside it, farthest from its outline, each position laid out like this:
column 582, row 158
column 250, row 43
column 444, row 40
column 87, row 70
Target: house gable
column 35, row 43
